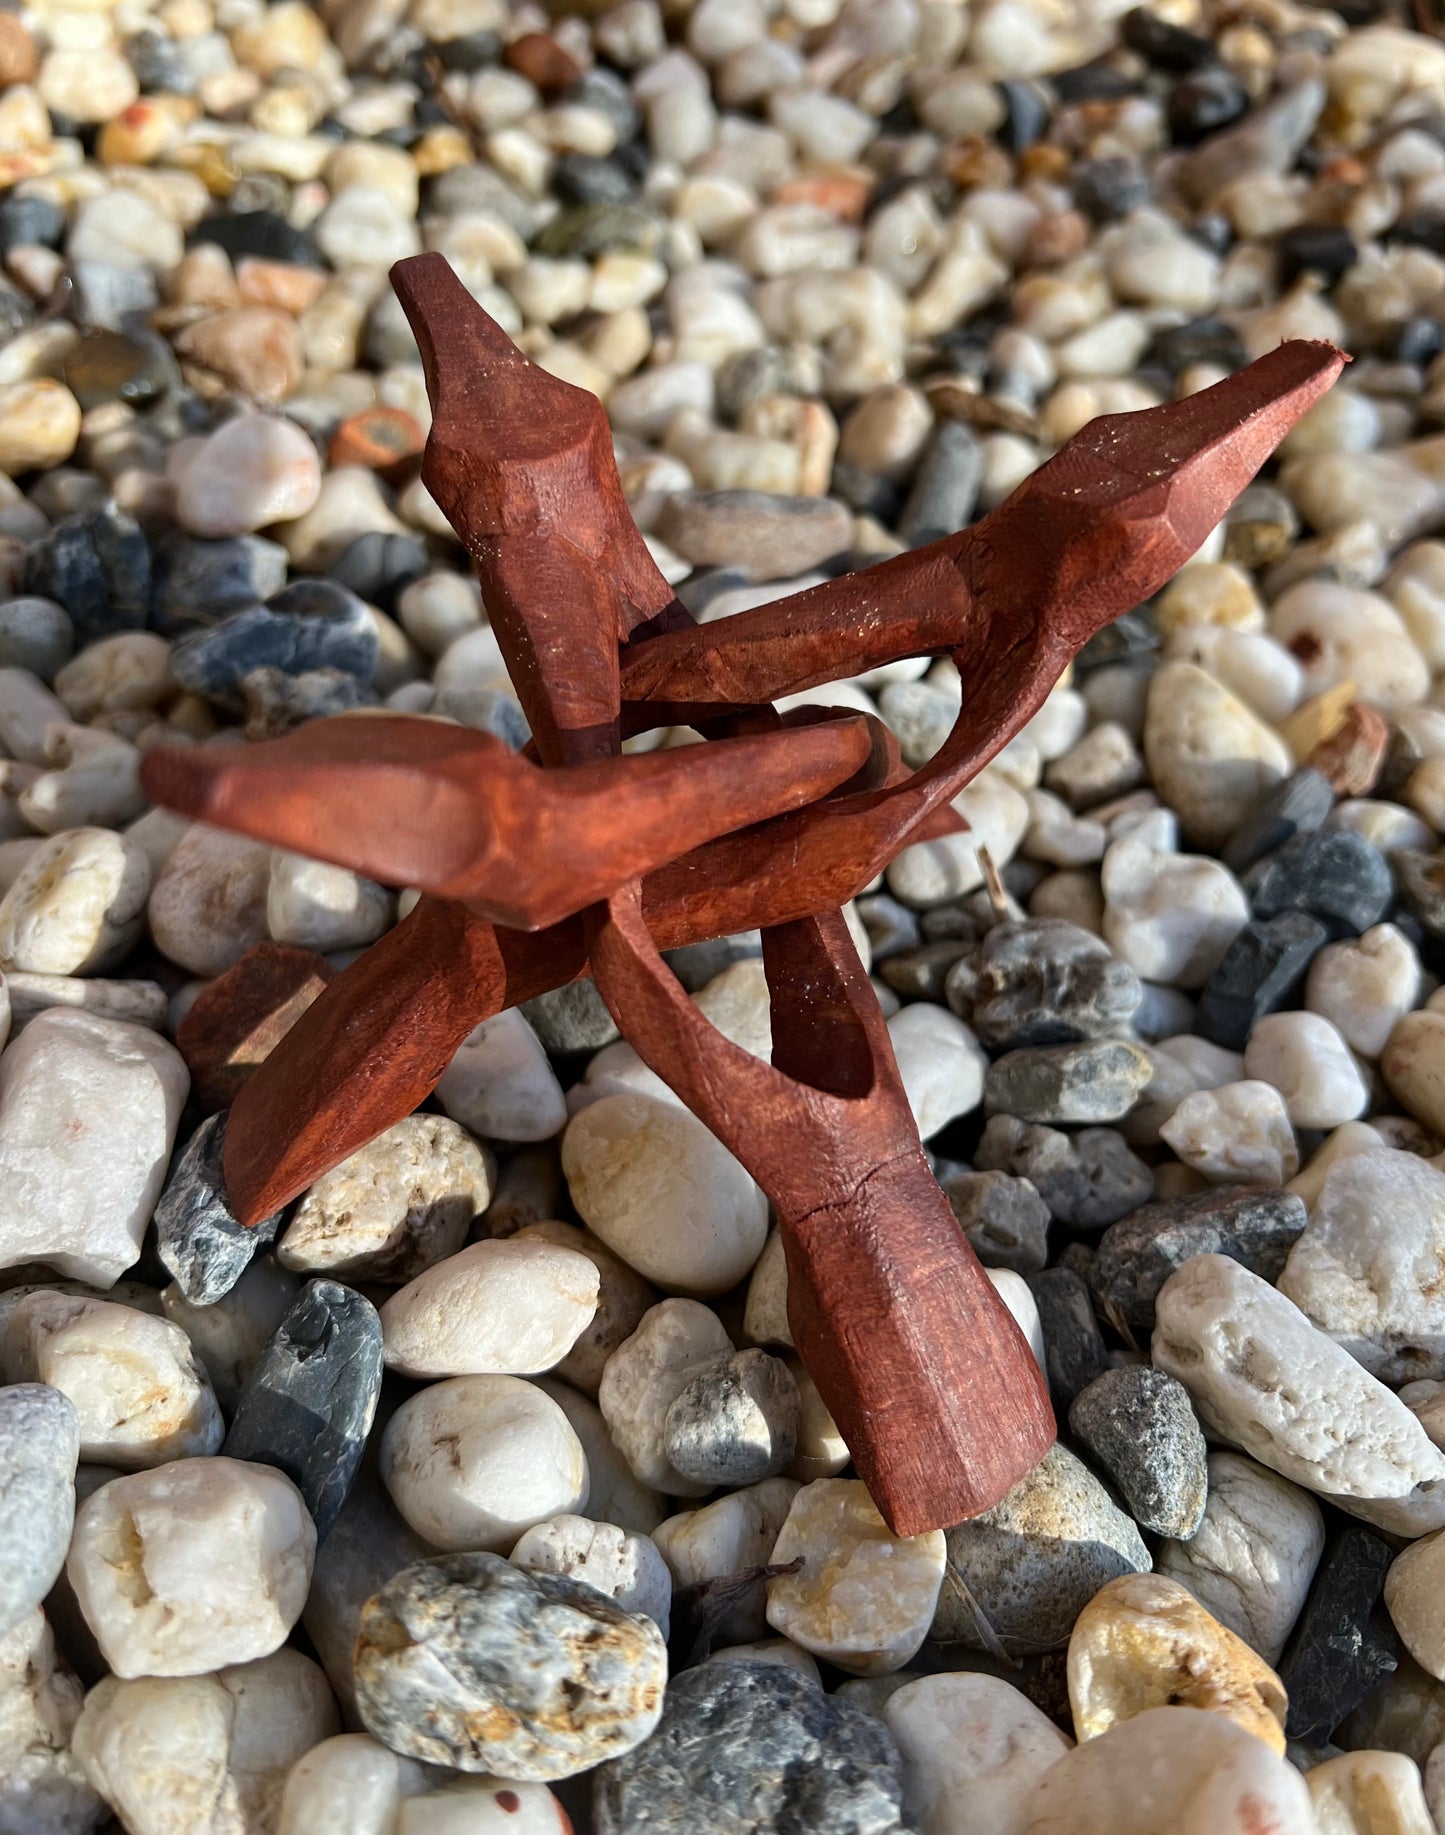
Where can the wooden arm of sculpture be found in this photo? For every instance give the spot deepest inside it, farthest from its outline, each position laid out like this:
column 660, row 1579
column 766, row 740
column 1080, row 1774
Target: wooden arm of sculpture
column 455, row 812
column 923, row 1368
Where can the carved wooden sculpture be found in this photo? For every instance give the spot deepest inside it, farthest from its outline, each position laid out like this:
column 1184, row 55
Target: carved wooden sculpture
column 531, row 873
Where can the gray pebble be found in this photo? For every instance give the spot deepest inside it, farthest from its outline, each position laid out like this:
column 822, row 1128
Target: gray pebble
column 769, row 537
column 39, row 1447
column 1087, row 1179
column 945, row 486
column 1097, row 1081
column 922, row 972
column 1139, row 1424
column 198, row 1238
column 1043, row 981
column 735, row 1423
column 1074, row 1352
column 1004, row 1218
column 1138, row 1254
column 1034, row 1561
column 755, row 1749
column 1297, row 805
column 468, row 1661
column 571, row 1018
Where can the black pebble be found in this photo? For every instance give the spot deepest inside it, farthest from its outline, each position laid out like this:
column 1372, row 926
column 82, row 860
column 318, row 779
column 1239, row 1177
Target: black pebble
column 263, row 233
column 1316, row 248
column 1334, row 874
column 198, row 1239
column 1201, row 104
column 1109, row 188
column 1297, row 805
column 98, row 566
column 1074, row 1351
column 214, row 663
column 1344, row 1642
column 198, row 583
column 378, row 567
column 308, row 1405
column 1167, row 47
column 29, row 221
column 1259, row 973
column 471, row 52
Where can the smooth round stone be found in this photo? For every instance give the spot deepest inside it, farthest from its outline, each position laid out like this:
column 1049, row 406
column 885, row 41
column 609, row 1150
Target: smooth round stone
column 934, row 872
column 116, row 675
column 675, row 1342
column 176, row 1754
column 1252, row 1558
column 1360, row 1790
column 509, row 1307
column 472, row 1462
column 467, row 1661
column 1364, row 985
column 663, row 1192
column 251, row 472
column 940, row 1063
column 973, row 1747
column 613, row 1493
column 1035, row 1560
column 1144, row 1642
column 39, row 425
column 1413, row 1066
column 738, row 1531
column 77, row 906
column 192, row 1566
column 1171, row 1771
column 43, row 1790
column 735, row 1423
column 1343, row 634
column 1139, row 1426
column 394, row 1208
column 307, row 1406
column 1104, row 763
column 1169, row 916
column 1370, row 1263
column 622, row 1299
column 349, row 1785
column 1238, row 1133
column 39, row 1447
column 1239, row 1346
column 627, row 1568
column 208, row 904
column 1307, row 1061
column 35, row 634
column 500, row 1085
column 756, row 1740
column 864, row 1598
column 314, row 905
column 141, row 1395
column 483, row 1806
column 1210, row 757
column 1413, row 1597
column 88, row 1115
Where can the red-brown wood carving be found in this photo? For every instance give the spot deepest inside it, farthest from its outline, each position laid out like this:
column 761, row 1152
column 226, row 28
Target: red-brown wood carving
column 534, row 872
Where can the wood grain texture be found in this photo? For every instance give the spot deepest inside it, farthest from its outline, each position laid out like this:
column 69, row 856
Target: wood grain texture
column 770, row 823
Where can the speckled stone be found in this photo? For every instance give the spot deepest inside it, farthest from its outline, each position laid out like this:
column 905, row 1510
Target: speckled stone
column 755, row 1749
column 465, row 1660
column 735, row 1423
column 1139, row 1426
column 307, row 1407
column 1035, row 1560
column 1004, row 1219
column 198, row 1238
column 216, row 662
column 39, row 1447
column 1093, row 1082
column 1087, row 1179
column 1043, row 981
column 1138, row 1254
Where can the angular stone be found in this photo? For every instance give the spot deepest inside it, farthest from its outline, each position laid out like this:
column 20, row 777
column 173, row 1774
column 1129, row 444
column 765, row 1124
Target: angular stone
column 1004, row 1219
column 39, row 1447
column 1087, row 1179
column 1140, row 1427
column 215, row 662
column 238, row 1020
column 627, row 1568
column 465, row 1660
column 1093, row 1082
column 1138, row 1254
column 1344, row 1642
column 1074, row 1351
column 308, row 1405
column 1259, row 973
column 1043, row 981
column 755, row 1748
column 1144, row 1642
column 1297, row 805
column 230, row 1335
column 198, row 1239
column 197, row 581
column 1034, row 1561
column 1334, row 874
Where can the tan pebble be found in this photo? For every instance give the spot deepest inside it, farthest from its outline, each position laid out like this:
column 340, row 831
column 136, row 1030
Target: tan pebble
column 1318, row 719
column 1369, row 1793
column 1144, row 1641
column 253, row 349
column 1413, row 1066
column 39, row 425
column 19, row 59
column 285, row 285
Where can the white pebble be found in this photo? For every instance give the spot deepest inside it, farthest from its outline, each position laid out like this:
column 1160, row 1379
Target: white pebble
column 627, row 1568
column 1210, row 757
column 973, row 1748
column 191, row 1566
column 739, row 1530
column 941, row 1063
column 676, row 1341
column 208, row 904
column 1238, row 1133
column 1169, row 916
column 472, row 1462
column 77, row 905
column 1307, row 1061
column 505, row 1307
column 1363, row 985
column 349, row 1785
column 251, row 472
column 934, row 872
column 314, row 905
